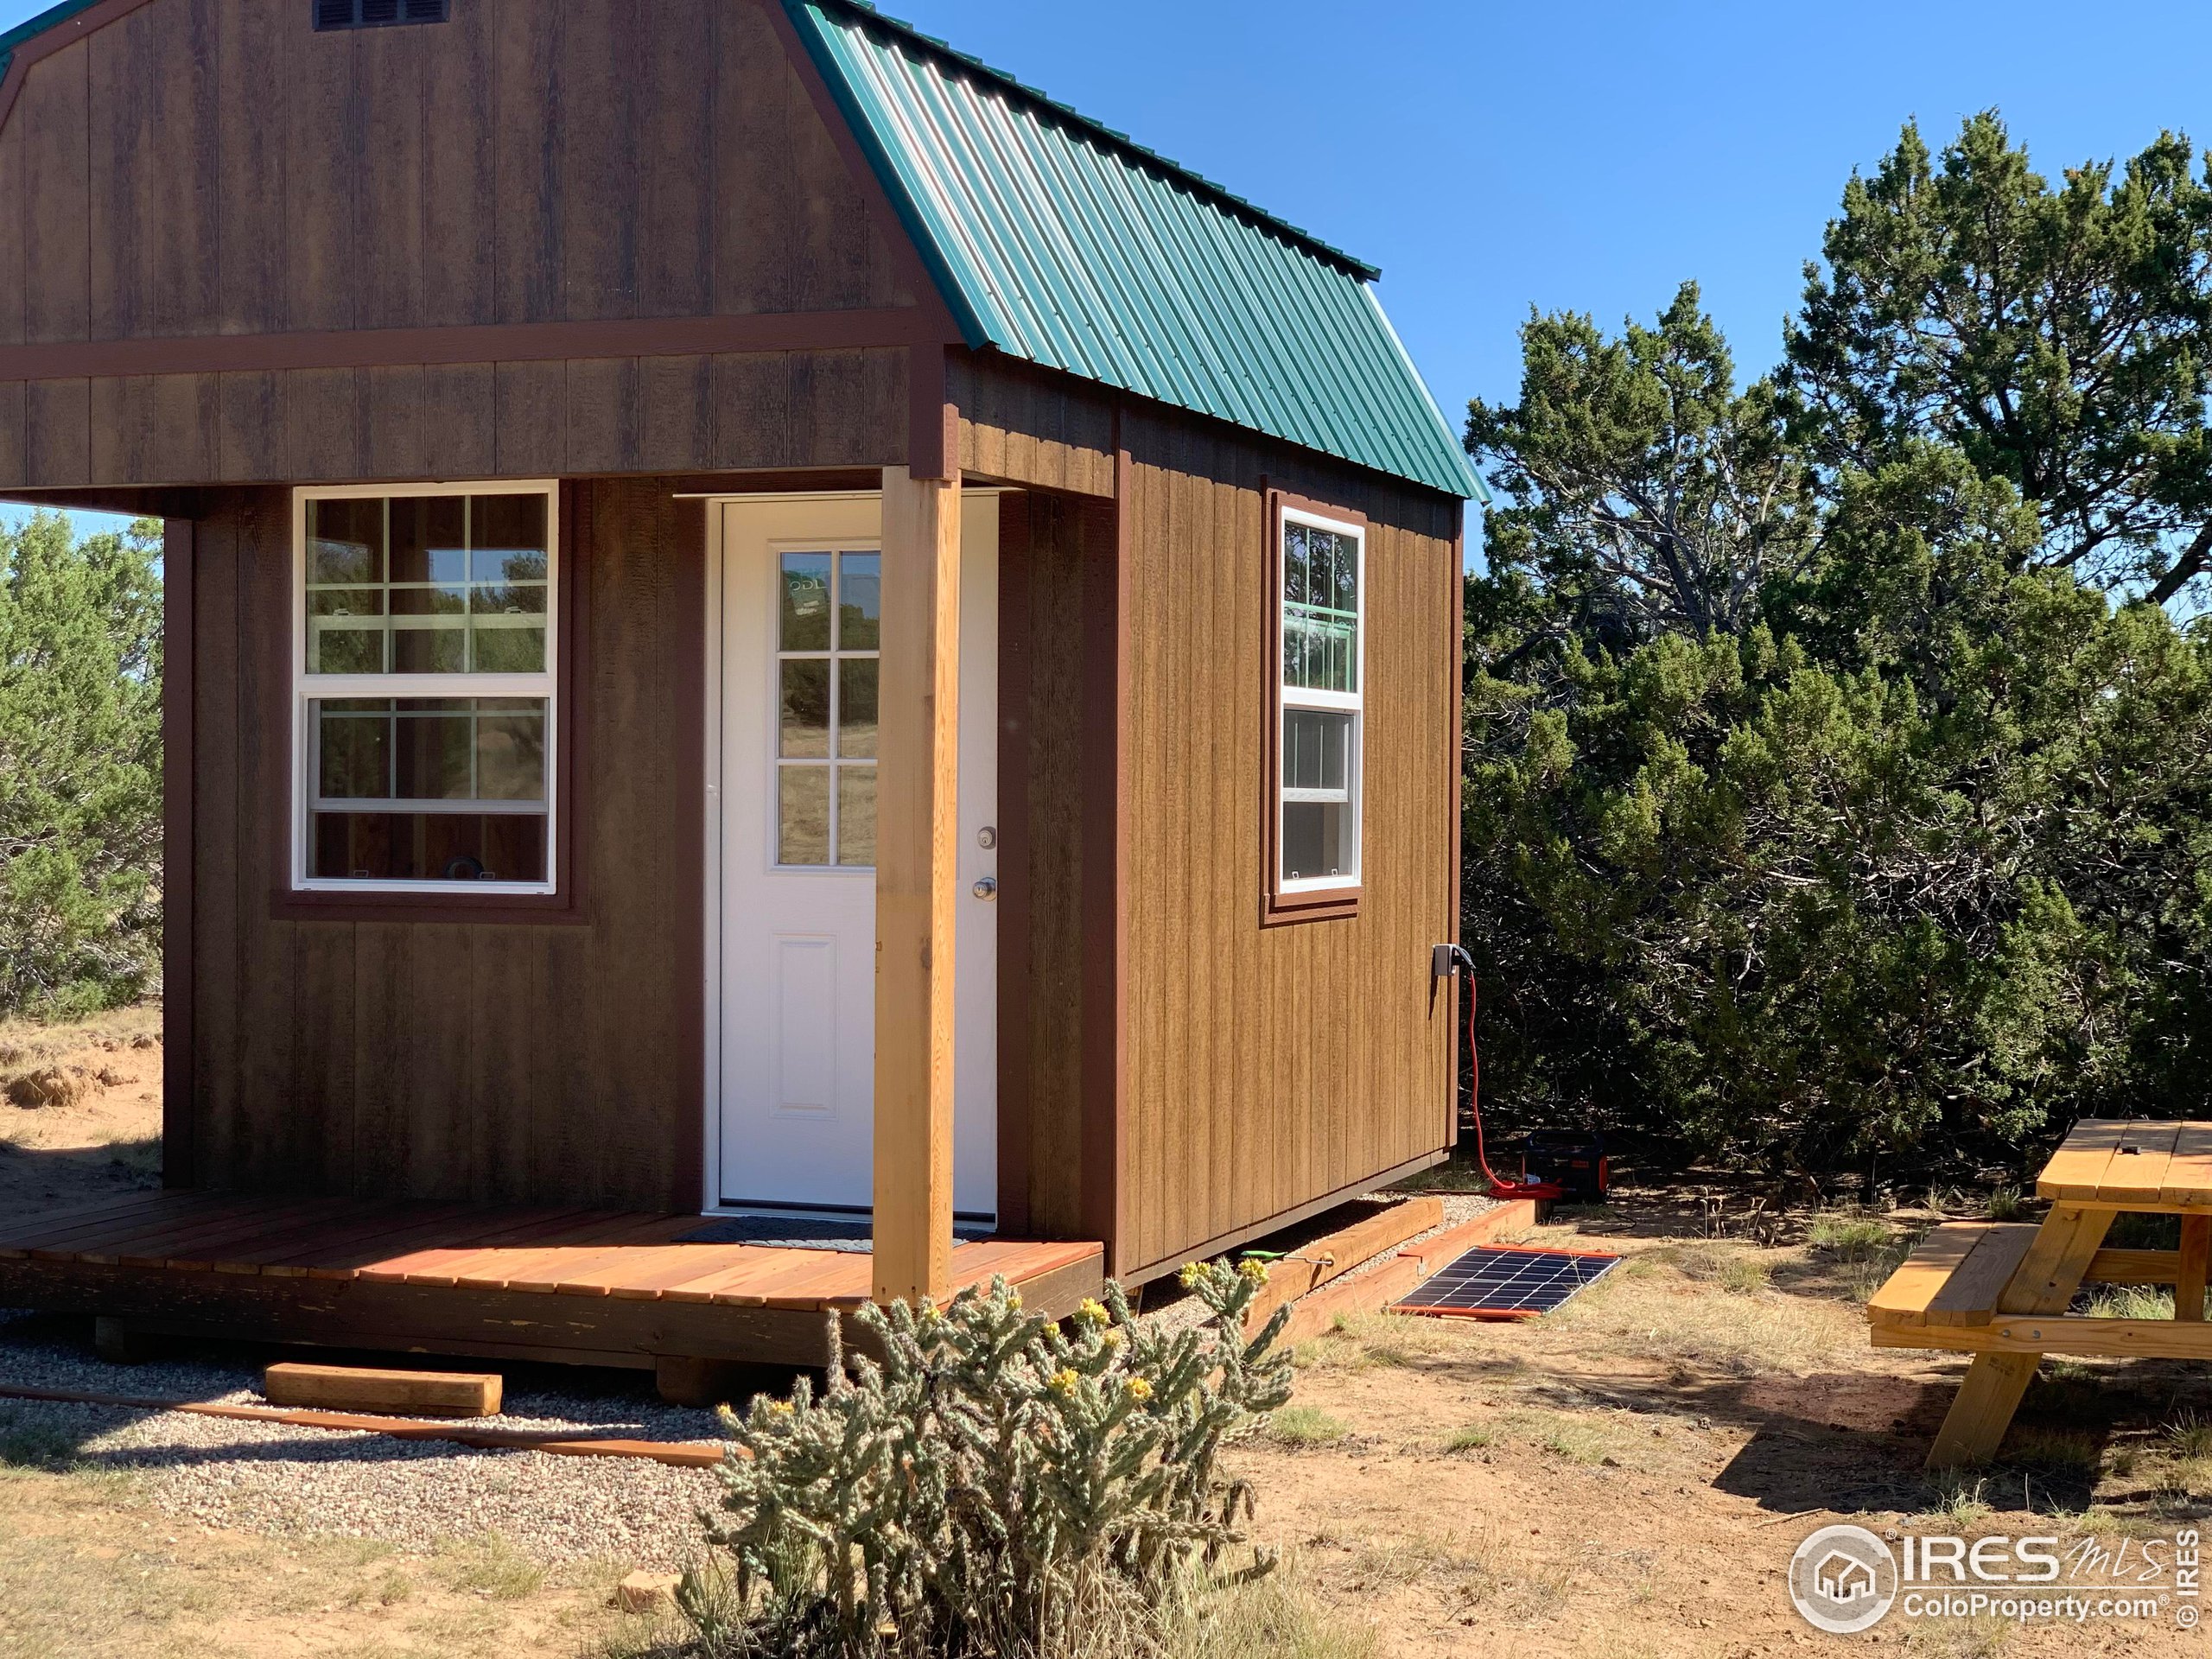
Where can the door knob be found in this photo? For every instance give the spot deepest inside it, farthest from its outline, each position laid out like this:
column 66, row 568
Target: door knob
column 986, row 888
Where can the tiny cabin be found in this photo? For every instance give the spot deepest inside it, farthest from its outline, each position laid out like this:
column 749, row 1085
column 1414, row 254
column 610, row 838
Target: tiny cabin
column 772, row 638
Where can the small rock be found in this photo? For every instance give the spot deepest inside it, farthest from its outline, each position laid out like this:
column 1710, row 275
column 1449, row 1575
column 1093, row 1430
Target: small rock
column 643, row 1591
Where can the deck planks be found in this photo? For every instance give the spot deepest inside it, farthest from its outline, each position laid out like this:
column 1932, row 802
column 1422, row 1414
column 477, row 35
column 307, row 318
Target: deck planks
column 469, row 1251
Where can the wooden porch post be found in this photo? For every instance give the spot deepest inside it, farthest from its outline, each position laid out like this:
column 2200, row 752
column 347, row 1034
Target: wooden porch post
column 917, row 883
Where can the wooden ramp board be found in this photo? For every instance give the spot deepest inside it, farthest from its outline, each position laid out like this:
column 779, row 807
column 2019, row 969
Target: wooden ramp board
column 1506, row 1282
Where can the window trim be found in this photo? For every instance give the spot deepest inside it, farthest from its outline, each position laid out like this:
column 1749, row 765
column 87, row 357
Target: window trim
column 305, row 897
column 1315, row 898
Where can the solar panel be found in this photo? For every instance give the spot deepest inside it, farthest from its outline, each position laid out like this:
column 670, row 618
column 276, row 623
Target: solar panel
column 1506, row 1282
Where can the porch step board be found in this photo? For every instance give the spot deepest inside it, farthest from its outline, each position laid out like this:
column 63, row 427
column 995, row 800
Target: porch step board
column 407, row 1393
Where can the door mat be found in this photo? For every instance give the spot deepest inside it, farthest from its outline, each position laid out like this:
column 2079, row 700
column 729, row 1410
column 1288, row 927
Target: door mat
column 802, row 1233
column 1505, row 1282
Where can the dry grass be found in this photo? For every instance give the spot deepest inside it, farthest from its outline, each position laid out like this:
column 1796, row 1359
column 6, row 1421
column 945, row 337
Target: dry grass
column 1958, row 1638
column 1372, row 1341
column 1654, row 1308
column 2057, row 1451
column 2007, row 1204
column 1305, row 1426
column 2189, row 1435
column 1278, row 1617
column 490, row 1566
column 25, row 1044
column 1472, row 1571
column 89, row 1570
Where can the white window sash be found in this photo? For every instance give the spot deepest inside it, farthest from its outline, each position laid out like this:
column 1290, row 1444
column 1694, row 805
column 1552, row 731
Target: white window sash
column 309, row 688
column 1352, row 702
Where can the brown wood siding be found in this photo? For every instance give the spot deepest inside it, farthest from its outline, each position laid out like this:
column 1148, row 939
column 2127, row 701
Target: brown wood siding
column 1047, row 545
column 443, row 1059
column 213, row 170
column 1267, row 1066
column 1022, row 425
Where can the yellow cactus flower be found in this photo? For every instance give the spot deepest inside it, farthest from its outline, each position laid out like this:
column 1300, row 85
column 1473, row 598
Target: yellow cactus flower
column 1192, row 1271
column 1114, row 1337
column 1255, row 1271
column 1091, row 1311
column 1063, row 1381
column 780, row 1408
column 1013, row 1301
column 1138, row 1389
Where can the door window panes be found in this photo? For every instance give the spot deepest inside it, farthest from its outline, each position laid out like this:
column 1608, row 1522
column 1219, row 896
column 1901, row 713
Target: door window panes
column 828, row 629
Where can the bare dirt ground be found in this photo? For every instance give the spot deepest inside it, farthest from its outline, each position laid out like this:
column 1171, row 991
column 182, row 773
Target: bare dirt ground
column 107, row 1139
column 1627, row 1476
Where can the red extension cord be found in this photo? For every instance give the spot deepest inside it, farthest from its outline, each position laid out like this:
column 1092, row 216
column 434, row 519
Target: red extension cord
column 1543, row 1192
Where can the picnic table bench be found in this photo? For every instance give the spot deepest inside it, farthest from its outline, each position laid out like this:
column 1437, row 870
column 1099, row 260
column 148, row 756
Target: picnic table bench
column 2000, row 1290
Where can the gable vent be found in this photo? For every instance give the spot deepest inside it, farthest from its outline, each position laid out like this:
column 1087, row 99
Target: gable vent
column 378, row 13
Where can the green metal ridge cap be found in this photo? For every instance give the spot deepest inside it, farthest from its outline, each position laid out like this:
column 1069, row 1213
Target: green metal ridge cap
column 866, row 14
column 30, row 28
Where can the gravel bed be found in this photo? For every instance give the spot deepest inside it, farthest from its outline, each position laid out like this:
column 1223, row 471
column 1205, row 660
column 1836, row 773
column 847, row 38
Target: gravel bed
column 416, row 1495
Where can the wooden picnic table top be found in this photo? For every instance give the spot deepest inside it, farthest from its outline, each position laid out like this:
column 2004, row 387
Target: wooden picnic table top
column 2132, row 1164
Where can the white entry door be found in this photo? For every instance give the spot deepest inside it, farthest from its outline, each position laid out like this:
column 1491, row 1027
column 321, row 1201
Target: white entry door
column 792, row 686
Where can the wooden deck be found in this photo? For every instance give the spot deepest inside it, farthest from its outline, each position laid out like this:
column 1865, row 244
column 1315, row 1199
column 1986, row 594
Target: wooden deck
column 587, row 1287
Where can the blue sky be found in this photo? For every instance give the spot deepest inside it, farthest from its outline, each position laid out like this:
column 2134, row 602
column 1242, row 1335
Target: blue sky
column 1587, row 155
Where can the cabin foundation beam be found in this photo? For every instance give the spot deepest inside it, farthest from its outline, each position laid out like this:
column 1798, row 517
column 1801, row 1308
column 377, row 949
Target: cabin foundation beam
column 917, row 884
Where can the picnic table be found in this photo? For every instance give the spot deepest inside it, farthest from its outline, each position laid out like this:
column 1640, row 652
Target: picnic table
column 2000, row 1290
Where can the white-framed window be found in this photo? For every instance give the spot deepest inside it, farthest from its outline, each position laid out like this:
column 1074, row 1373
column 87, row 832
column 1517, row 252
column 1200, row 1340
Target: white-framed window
column 829, row 647
column 425, row 657
column 1322, row 639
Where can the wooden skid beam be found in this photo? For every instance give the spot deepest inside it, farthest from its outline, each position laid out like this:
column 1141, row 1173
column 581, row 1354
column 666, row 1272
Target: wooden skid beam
column 1315, row 1263
column 1369, row 1293
column 1513, row 1215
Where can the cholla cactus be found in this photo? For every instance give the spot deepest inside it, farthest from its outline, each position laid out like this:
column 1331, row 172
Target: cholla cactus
column 992, row 1480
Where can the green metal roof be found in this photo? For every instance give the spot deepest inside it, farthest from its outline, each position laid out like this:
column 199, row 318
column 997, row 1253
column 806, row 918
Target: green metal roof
column 1062, row 242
